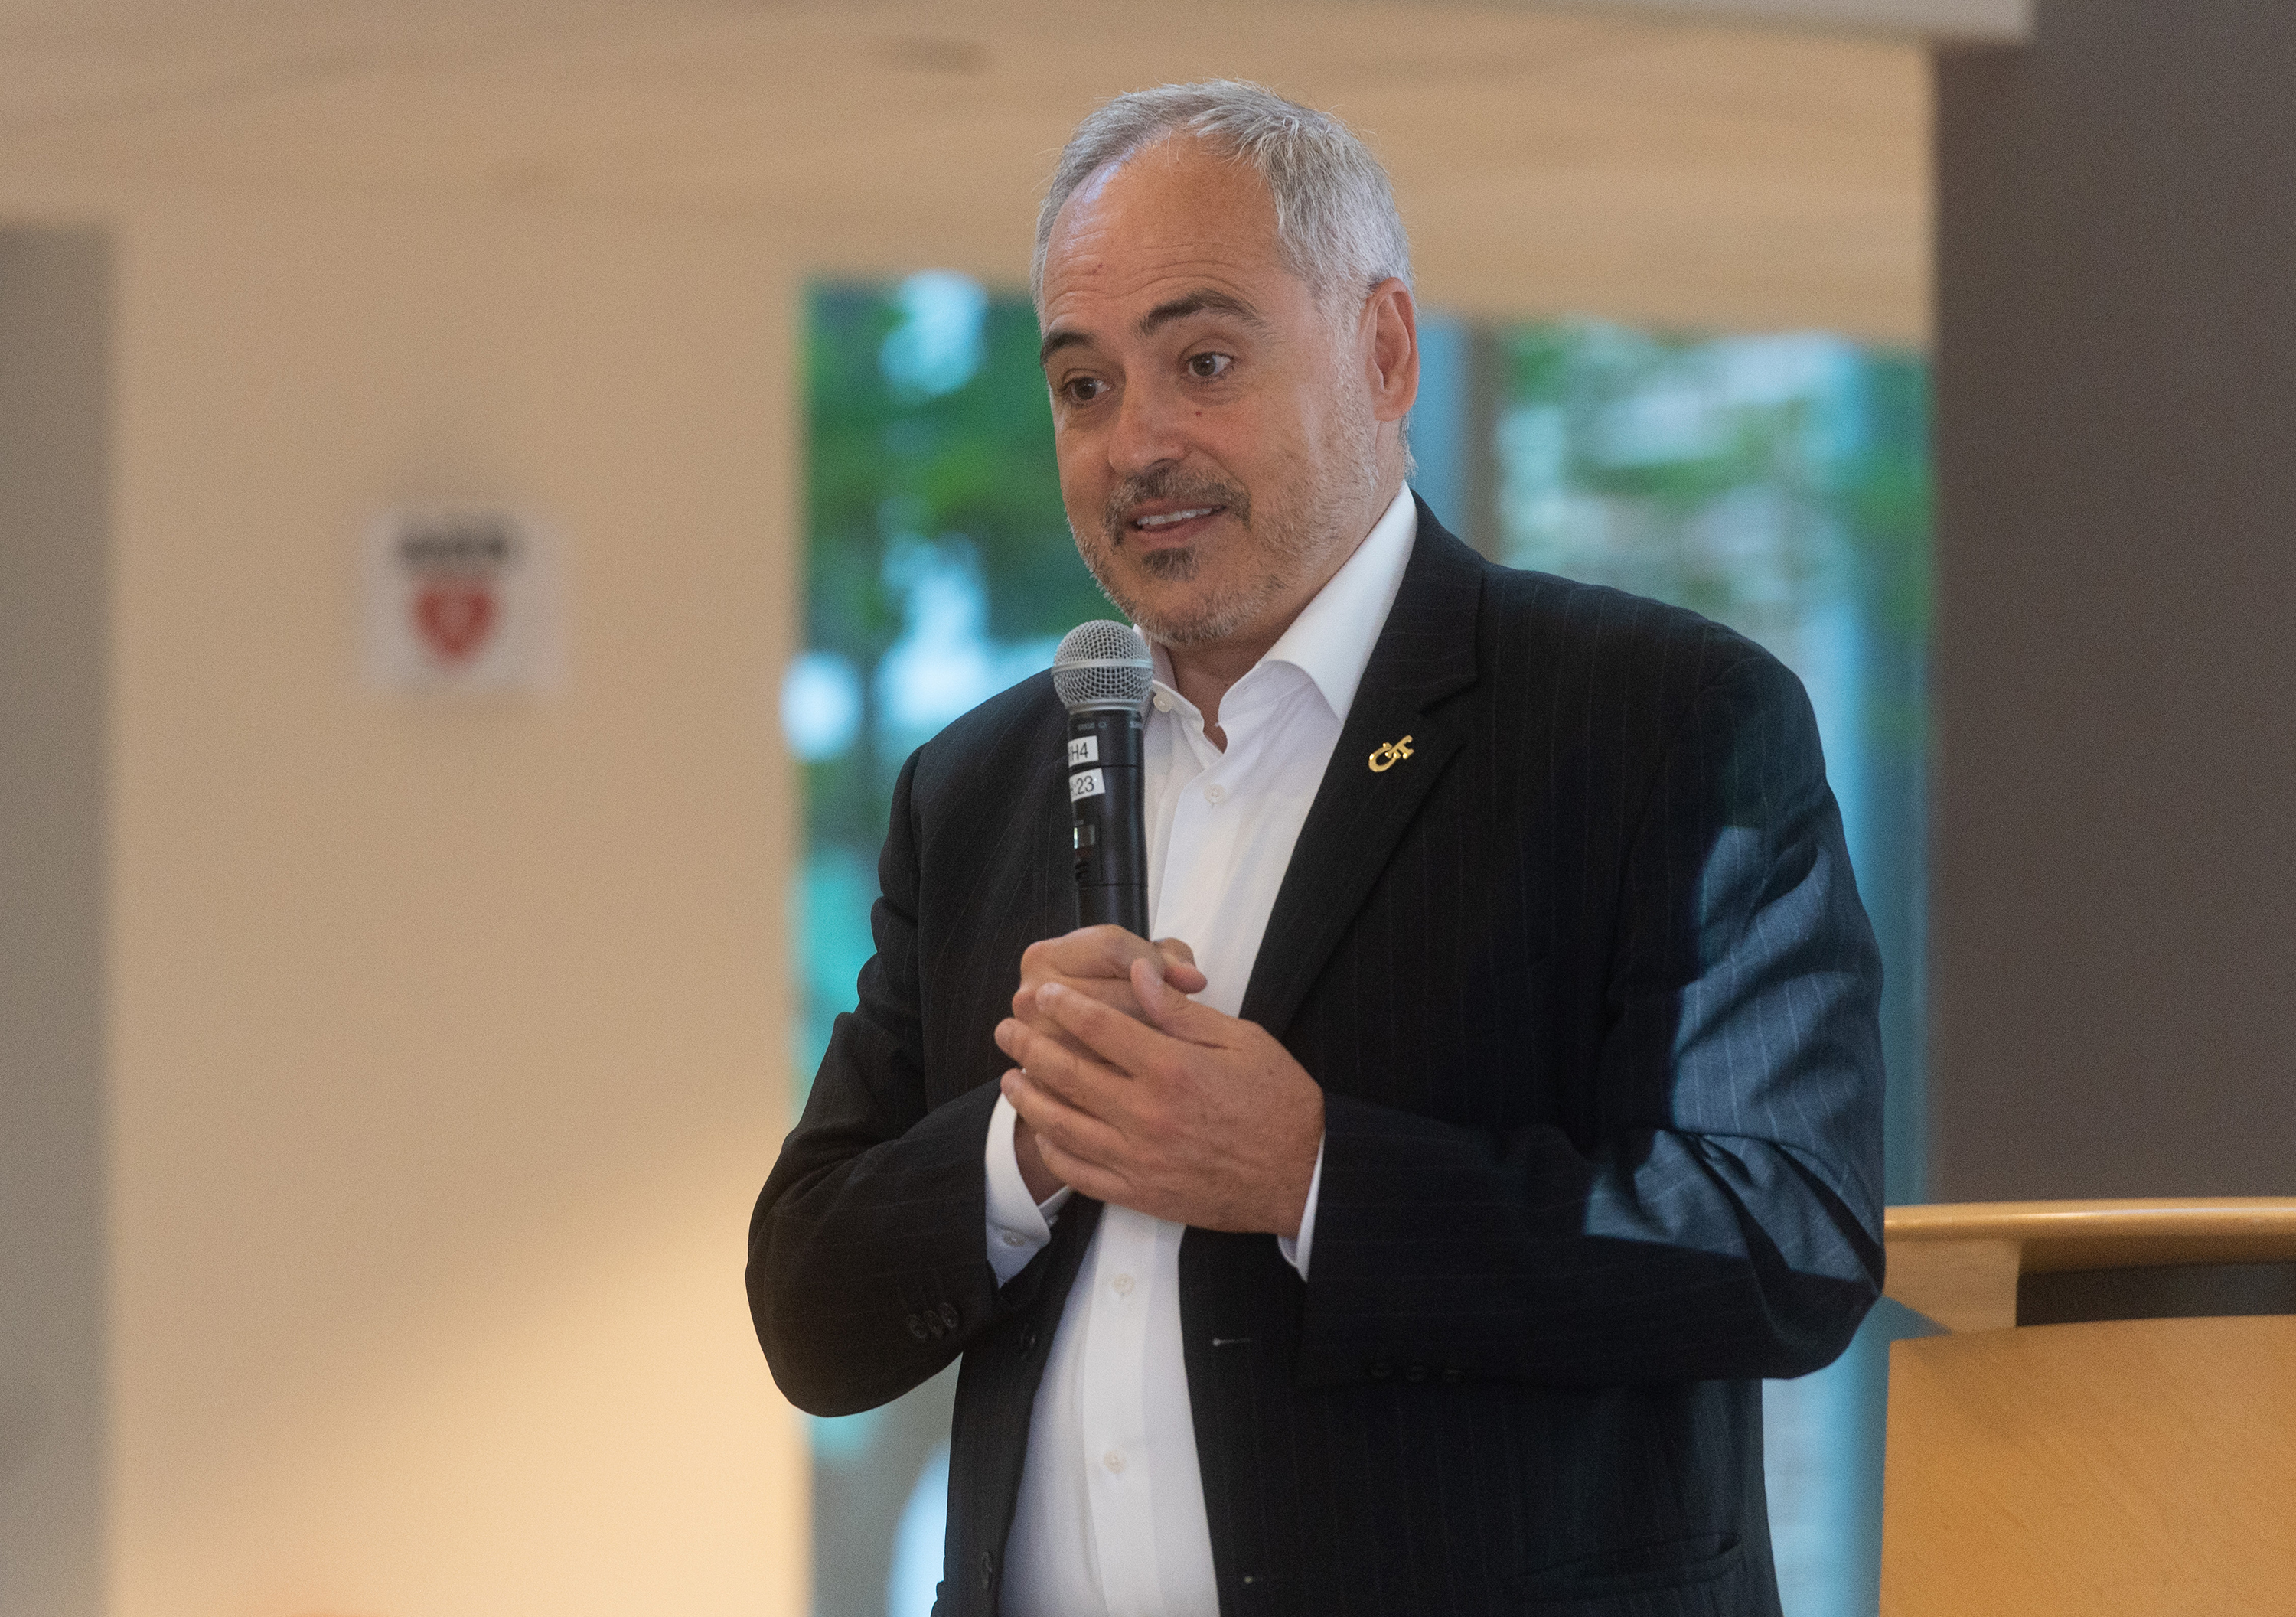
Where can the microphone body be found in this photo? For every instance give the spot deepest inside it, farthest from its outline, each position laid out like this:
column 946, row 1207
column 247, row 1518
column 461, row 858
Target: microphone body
column 1107, row 819
column 1103, row 673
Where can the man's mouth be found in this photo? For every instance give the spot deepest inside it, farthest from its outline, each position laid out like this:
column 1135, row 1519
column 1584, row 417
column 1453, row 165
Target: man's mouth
column 1167, row 513
column 1164, row 522
column 1170, row 517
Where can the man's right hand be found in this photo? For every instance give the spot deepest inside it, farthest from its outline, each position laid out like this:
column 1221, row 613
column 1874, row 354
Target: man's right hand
column 1094, row 960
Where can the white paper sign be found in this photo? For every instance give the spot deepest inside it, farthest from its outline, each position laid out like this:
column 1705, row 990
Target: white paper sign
column 462, row 600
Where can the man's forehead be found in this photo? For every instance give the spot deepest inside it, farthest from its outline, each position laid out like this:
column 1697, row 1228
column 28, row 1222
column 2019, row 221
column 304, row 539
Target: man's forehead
column 1160, row 228
column 1095, row 284
column 1176, row 199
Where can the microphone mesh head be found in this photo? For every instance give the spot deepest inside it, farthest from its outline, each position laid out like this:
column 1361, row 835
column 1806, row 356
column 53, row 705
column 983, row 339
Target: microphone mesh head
column 1102, row 665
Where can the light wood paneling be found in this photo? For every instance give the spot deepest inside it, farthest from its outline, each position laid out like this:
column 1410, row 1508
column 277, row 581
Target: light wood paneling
column 1549, row 160
column 2138, row 1467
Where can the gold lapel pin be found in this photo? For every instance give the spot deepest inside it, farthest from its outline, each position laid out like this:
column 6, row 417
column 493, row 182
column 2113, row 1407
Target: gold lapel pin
column 1390, row 754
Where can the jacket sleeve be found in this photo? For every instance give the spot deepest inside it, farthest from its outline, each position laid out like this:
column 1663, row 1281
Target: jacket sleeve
column 868, row 1269
column 1722, row 1218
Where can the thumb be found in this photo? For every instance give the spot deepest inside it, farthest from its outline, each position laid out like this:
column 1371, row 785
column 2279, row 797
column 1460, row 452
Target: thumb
column 1180, row 968
column 1171, row 1011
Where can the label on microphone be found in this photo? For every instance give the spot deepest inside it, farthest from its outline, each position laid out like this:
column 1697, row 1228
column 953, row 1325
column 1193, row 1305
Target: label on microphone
column 1084, row 784
column 1083, row 749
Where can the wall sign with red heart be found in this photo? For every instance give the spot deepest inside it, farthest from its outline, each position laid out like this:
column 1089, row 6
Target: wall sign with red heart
column 460, row 599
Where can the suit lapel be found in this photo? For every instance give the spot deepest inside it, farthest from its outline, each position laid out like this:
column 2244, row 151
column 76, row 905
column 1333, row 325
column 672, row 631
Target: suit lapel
column 1425, row 654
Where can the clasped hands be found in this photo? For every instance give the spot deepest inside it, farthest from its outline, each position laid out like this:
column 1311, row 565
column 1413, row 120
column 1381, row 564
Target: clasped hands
column 1135, row 1095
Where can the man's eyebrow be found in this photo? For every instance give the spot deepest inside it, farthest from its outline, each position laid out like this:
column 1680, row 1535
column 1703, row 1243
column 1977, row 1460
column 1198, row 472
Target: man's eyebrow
column 1057, row 340
column 1204, row 302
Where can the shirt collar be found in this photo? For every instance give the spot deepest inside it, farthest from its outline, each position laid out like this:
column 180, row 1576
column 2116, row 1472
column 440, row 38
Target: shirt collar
column 1331, row 640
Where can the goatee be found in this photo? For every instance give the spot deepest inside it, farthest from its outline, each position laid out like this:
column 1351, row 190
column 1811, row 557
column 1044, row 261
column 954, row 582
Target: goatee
column 1206, row 620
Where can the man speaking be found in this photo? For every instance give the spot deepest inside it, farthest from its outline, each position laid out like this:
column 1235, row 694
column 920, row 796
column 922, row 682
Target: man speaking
column 1408, row 1231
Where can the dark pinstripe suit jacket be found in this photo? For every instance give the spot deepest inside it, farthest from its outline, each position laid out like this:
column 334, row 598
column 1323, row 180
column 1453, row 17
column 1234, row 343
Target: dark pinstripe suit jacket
column 1589, row 991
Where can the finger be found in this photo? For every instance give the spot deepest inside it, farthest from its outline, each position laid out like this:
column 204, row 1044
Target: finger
column 1129, row 1047
column 1094, row 1166
column 1034, row 1051
column 1075, row 1136
column 1095, row 951
column 1035, row 1021
column 1116, row 991
column 1116, row 994
column 1059, row 1065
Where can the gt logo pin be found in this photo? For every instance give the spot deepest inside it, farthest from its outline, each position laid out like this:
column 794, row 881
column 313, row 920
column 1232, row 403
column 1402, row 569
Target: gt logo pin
column 1390, row 754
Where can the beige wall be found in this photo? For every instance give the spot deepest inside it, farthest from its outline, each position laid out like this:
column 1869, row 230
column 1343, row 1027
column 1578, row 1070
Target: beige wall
column 446, row 1040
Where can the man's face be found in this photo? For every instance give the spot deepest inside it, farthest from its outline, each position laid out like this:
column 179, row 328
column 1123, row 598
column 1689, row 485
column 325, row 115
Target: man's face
column 1213, row 419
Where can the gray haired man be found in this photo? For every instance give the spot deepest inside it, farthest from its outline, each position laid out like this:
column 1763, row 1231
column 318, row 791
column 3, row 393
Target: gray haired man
column 1407, row 1228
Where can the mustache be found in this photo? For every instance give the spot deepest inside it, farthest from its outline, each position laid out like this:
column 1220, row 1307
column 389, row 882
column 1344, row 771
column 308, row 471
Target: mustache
column 1170, row 483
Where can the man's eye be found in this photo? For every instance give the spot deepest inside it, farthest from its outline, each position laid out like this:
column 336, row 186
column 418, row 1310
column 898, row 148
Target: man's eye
column 1083, row 389
column 1205, row 366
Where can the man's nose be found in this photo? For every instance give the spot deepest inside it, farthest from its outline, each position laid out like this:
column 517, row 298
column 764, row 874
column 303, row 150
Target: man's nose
column 1148, row 431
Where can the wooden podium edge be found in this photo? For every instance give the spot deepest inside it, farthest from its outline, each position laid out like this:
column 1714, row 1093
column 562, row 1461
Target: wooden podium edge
column 1957, row 1263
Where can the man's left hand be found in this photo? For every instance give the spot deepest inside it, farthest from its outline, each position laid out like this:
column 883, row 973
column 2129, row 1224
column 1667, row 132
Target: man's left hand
column 1192, row 1116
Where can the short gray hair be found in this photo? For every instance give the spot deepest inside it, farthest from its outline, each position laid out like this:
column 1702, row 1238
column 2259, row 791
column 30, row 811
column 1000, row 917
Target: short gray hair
column 1335, row 214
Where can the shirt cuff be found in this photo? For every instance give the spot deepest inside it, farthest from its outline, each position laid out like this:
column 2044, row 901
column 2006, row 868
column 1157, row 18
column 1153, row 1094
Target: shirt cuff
column 1294, row 1250
column 1019, row 1225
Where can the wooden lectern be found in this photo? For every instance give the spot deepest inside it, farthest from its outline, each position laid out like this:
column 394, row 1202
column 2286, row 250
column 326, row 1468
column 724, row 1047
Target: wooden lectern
column 2140, row 1458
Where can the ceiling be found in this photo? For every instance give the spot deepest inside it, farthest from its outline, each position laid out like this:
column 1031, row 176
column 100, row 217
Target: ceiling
column 1700, row 173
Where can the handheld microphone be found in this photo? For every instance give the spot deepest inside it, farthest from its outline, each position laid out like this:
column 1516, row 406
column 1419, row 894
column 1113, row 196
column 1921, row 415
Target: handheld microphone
column 1102, row 673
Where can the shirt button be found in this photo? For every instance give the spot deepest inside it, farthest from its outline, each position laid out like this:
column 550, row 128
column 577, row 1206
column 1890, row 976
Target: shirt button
column 1215, row 791
column 1112, row 1460
column 1164, row 702
column 1123, row 1284
column 1013, row 1237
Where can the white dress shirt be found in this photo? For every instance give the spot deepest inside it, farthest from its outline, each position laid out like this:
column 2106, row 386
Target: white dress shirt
column 1111, row 1516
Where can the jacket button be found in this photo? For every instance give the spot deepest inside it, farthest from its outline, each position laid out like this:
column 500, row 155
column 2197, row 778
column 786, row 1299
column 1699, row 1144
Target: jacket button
column 917, row 1328
column 1415, row 1375
column 1028, row 1340
column 1381, row 1370
column 1453, row 1376
column 950, row 1317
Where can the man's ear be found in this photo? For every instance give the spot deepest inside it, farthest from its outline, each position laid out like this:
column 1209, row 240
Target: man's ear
column 1393, row 368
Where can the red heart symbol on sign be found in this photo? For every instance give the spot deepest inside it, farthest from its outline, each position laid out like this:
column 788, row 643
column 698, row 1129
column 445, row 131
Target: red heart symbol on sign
column 455, row 616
